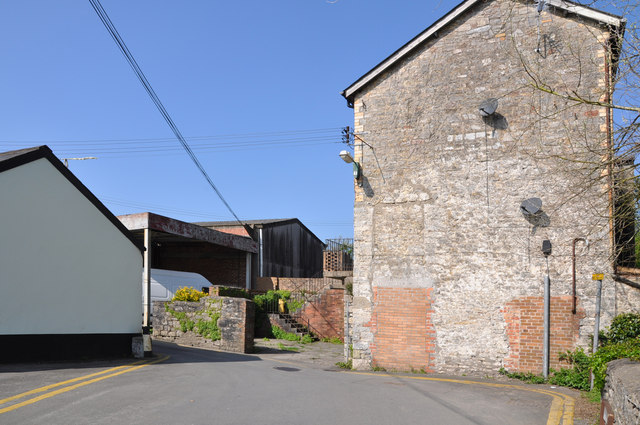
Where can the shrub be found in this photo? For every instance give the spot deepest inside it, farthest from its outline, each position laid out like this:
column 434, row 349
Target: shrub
column 187, row 293
column 523, row 376
column 270, row 298
column 209, row 329
column 629, row 349
column 345, row 365
column 578, row 376
column 625, row 326
column 279, row 333
column 234, row 292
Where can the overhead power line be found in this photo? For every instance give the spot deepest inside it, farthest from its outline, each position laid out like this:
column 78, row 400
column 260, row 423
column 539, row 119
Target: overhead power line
column 102, row 14
column 259, row 136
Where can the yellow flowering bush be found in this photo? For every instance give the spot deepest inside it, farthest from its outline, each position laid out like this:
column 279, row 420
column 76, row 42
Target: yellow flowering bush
column 187, row 293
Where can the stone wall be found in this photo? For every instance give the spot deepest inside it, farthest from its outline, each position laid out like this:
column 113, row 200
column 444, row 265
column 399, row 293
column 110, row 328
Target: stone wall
column 622, row 391
column 440, row 240
column 295, row 284
column 235, row 318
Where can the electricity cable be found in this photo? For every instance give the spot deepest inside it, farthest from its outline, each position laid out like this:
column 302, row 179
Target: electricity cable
column 102, row 14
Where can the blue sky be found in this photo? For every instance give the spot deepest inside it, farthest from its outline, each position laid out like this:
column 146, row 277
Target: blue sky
column 253, row 86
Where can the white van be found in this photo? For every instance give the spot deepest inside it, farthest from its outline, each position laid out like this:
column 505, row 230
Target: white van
column 165, row 283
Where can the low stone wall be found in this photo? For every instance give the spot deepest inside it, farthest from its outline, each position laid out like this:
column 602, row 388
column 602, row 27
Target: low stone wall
column 622, row 391
column 235, row 319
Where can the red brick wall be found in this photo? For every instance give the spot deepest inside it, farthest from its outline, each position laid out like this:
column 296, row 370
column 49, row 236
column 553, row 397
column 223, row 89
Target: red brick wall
column 524, row 321
column 326, row 315
column 220, row 265
column 404, row 336
column 240, row 231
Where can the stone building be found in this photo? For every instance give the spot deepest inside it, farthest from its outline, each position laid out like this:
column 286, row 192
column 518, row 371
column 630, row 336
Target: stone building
column 449, row 272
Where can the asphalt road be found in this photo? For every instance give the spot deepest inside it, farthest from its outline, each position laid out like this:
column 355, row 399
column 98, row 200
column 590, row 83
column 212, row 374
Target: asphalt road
column 195, row 386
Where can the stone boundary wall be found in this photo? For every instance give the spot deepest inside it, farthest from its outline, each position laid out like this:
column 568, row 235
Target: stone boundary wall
column 622, row 391
column 292, row 284
column 236, row 323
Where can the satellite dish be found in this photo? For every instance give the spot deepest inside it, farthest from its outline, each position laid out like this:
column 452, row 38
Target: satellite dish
column 531, row 206
column 488, row 107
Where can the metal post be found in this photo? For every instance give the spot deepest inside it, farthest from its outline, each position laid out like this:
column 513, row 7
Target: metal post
column 347, row 339
column 596, row 330
column 248, row 272
column 260, row 254
column 545, row 346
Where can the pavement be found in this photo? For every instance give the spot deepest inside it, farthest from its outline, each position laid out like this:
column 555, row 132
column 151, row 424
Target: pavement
column 188, row 385
column 319, row 355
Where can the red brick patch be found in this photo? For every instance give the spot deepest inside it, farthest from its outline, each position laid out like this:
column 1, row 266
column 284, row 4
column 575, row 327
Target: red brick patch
column 325, row 315
column 404, row 336
column 524, row 327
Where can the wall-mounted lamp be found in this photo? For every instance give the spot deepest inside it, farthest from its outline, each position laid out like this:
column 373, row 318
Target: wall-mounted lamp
column 546, row 247
column 346, row 157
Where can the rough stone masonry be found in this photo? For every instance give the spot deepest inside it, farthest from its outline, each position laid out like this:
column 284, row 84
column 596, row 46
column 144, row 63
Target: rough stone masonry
column 448, row 272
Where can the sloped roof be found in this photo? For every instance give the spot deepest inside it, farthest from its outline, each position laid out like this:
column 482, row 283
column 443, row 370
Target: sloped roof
column 180, row 230
column 453, row 14
column 249, row 222
column 17, row 158
column 259, row 223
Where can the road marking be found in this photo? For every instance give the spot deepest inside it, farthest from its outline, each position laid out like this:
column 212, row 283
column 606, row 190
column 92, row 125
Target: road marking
column 58, row 384
column 562, row 405
column 116, row 372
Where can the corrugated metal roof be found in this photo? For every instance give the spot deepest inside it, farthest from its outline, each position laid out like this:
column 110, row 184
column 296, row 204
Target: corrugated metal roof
column 258, row 223
column 249, row 222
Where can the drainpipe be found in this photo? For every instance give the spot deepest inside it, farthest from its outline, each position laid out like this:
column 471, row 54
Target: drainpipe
column 261, row 253
column 573, row 269
column 609, row 154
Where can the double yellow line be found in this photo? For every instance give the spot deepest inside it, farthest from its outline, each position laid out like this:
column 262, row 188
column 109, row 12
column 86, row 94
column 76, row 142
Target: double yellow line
column 73, row 384
column 562, row 405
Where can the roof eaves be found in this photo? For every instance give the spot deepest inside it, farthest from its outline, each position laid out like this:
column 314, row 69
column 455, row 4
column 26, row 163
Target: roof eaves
column 408, row 47
column 12, row 159
column 583, row 11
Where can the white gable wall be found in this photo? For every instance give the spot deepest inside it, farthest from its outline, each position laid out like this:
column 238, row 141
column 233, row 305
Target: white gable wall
column 64, row 267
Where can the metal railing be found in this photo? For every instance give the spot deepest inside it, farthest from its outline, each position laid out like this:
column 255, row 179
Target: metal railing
column 338, row 256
